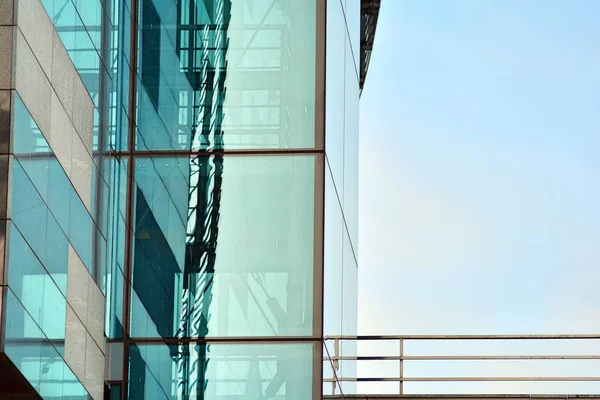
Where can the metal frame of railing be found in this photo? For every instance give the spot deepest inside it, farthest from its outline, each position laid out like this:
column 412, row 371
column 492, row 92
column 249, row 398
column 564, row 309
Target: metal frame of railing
column 401, row 358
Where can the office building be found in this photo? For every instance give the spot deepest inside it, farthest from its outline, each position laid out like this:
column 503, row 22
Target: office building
column 179, row 195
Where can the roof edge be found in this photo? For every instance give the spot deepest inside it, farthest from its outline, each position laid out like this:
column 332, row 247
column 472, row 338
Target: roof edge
column 369, row 14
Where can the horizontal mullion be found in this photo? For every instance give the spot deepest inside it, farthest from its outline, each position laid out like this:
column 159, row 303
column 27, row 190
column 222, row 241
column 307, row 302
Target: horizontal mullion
column 225, row 340
column 196, row 153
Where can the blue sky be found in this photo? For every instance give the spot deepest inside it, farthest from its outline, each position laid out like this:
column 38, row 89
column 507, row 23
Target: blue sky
column 480, row 168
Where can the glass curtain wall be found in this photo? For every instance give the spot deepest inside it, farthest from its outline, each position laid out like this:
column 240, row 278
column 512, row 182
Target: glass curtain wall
column 97, row 37
column 219, row 202
column 341, row 185
column 47, row 218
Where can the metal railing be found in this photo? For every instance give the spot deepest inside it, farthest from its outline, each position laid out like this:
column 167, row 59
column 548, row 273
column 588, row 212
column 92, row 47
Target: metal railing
column 333, row 357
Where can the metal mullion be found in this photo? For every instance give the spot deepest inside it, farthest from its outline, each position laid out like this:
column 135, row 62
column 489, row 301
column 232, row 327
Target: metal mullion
column 227, row 340
column 133, row 60
column 320, row 178
column 103, row 107
column 225, row 153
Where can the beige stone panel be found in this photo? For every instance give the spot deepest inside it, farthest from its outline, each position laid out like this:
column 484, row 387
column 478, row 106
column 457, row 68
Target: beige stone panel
column 75, row 344
column 34, row 23
column 81, row 171
column 60, row 137
column 63, row 74
column 77, row 285
column 83, row 113
column 94, row 369
column 6, row 12
column 95, row 313
column 32, row 84
column 6, row 56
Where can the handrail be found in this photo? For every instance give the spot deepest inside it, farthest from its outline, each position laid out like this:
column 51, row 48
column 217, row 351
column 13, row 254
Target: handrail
column 402, row 358
column 464, row 337
column 466, row 358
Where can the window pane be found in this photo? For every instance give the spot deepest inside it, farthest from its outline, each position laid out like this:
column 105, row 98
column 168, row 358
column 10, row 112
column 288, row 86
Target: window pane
column 116, row 245
column 28, row 210
column 59, row 200
column 240, row 371
column 35, row 356
column 239, row 76
column 224, row 246
column 81, row 230
column 27, row 137
column 23, row 340
column 57, row 254
column 35, row 288
column 39, row 184
column 114, row 392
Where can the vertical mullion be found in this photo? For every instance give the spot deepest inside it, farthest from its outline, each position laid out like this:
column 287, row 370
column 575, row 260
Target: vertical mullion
column 133, row 52
column 320, row 178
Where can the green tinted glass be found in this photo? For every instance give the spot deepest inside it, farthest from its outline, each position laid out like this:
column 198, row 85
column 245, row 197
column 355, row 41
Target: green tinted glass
column 234, row 371
column 224, row 246
column 35, row 287
column 232, row 74
column 36, row 357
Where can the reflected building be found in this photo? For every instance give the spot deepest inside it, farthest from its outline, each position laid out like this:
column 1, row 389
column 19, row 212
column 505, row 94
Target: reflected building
column 179, row 195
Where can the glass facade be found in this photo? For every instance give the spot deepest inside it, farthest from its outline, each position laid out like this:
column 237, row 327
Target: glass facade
column 224, row 178
column 226, row 74
column 37, row 356
column 210, row 180
column 96, row 35
column 236, row 371
column 341, row 183
column 257, row 277
column 44, row 204
column 46, row 217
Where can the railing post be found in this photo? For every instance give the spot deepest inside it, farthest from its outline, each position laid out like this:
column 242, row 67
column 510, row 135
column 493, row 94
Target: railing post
column 336, row 363
column 401, row 366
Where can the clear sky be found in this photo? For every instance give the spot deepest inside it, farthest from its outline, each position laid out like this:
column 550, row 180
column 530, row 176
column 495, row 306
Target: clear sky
column 480, row 169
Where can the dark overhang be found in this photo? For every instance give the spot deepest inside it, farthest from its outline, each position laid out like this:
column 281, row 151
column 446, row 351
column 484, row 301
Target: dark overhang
column 369, row 12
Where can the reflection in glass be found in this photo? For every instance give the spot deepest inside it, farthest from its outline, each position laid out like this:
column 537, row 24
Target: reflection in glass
column 95, row 34
column 36, row 356
column 115, row 208
column 223, row 246
column 35, row 288
column 28, row 210
column 227, row 74
column 227, row 371
column 44, row 204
